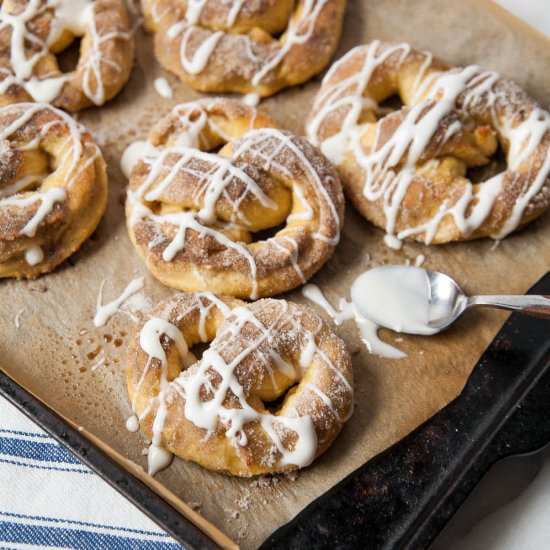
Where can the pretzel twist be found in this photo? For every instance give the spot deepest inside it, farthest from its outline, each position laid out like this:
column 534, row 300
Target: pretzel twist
column 406, row 171
column 192, row 215
column 218, row 46
column 217, row 411
column 53, row 188
column 33, row 32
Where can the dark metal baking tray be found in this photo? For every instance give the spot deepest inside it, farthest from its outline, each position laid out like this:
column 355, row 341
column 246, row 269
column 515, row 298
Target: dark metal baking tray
column 404, row 496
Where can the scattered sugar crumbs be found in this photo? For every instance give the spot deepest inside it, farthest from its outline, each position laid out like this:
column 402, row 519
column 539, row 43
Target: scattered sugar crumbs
column 261, row 482
column 244, row 502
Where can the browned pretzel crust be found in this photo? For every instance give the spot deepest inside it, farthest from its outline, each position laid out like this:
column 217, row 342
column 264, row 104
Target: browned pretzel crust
column 33, row 33
column 406, row 171
column 214, row 411
column 217, row 48
column 53, row 188
column 192, row 215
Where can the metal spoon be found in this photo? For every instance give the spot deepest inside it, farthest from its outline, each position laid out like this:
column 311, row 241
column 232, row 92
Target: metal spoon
column 444, row 300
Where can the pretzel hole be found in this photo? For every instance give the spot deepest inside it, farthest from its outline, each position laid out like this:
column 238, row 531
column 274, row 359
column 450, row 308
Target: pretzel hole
column 275, row 405
column 496, row 165
column 216, row 149
column 269, row 233
column 34, row 166
column 389, row 105
column 67, row 59
column 277, row 35
column 194, row 355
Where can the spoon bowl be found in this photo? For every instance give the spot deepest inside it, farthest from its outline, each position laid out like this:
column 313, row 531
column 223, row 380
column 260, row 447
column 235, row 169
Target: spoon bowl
column 447, row 301
column 420, row 301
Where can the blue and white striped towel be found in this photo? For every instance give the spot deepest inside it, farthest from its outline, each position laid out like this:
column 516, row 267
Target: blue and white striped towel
column 49, row 499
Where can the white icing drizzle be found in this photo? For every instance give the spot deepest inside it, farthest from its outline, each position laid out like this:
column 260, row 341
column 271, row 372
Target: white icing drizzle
column 191, row 116
column 17, row 319
column 300, row 30
column 158, row 459
column 291, row 251
column 390, row 167
column 209, row 414
column 21, row 185
column 163, row 88
column 391, row 241
column 106, row 311
column 34, row 255
column 98, row 364
column 75, row 16
column 213, row 183
column 348, row 311
column 150, row 341
column 202, row 54
column 270, row 147
column 133, row 153
column 194, row 9
column 47, row 201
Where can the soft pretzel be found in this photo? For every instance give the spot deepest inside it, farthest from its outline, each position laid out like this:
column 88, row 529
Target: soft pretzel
column 219, row 411
column 32, row 32
column 407, row 171
column 53, row 188
column 219, row 46
column 192, row 214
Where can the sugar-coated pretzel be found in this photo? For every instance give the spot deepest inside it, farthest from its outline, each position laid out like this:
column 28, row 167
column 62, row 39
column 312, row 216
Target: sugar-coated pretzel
column 53, row 188
column 407, row 171
column 219, row 46
column 32, row 32
column 192, row 214
column 216, row 411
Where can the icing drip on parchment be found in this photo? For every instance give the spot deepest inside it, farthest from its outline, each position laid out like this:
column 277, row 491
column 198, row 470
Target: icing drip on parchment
column 347, row 311
column 163, row 88
column 106, row 311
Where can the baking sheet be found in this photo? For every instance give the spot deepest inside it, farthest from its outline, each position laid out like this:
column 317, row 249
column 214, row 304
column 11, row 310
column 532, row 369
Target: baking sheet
column 56, row 347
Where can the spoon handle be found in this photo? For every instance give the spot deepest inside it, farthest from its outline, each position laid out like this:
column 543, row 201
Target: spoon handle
column 530, row 304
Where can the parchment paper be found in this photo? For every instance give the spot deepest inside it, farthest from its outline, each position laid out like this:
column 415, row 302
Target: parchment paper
column 53, row 351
